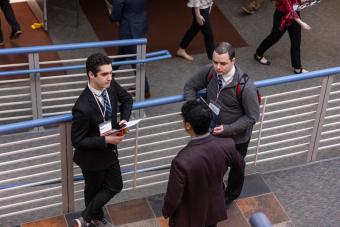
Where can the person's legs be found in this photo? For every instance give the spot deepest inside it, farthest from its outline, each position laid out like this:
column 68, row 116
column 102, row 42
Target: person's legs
column 294, row 32
column 207, row 33
column 101, row 186
column 232, row 192
column 10, row 17
column 188, row 37
column 131, row 49
column 273, row 37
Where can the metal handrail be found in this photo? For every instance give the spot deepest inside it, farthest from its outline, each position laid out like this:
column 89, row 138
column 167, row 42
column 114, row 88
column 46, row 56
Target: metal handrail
column 150, row 57
column 72, row 46
column 8, row 128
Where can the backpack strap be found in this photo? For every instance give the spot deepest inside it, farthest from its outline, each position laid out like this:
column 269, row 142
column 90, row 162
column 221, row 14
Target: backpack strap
column 210, row 75
column 240, row 87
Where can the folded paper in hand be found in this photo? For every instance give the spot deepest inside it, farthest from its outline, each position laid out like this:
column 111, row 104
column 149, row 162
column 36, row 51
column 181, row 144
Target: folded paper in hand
column 127, row 125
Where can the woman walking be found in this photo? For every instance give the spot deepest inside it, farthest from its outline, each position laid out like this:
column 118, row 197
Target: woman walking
column 286, row 17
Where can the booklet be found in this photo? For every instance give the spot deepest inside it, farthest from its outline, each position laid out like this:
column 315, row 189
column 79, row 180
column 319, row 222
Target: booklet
column 122, row 130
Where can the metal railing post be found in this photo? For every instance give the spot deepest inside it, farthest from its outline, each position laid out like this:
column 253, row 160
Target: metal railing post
column 33, row 61
column 320, row 118
column 140, row 77
column 66, row 168
column 136, row 158
column 260, row 130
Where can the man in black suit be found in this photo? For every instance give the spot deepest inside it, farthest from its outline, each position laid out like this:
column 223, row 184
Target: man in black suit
column 195, row 195
column 96, row 154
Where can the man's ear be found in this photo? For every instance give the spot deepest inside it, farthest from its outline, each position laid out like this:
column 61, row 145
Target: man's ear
column 91, row 75
column 187, row 126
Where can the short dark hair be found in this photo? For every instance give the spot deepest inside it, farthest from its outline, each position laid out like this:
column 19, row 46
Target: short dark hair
column 224, row 47
column 96, row 60
column 198, row 115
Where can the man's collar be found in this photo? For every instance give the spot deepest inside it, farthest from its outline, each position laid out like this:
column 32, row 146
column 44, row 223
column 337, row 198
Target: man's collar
column 230, row 73
column 201, row 136
column 95, row 91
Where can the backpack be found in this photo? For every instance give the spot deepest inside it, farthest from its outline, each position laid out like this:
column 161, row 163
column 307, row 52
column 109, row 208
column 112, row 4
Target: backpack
column 239, row 86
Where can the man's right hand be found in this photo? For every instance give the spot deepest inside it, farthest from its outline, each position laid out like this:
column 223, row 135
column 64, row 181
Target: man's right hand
column 114, row 138
column 218, row 130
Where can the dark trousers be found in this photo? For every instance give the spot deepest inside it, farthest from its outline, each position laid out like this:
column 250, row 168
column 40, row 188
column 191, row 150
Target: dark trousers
column 10, row 17
column 100, row 187
column 232, row 192
column 294, row 31
column 205, row 29
column 130, row 50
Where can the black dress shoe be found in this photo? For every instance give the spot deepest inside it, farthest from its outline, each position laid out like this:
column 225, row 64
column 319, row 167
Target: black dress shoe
column 15, row 34
column 260, row 58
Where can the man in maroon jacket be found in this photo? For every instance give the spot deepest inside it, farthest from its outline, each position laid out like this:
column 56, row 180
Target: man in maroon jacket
column 195, row 193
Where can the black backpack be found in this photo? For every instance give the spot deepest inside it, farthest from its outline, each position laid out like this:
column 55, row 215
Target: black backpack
column 239, row 86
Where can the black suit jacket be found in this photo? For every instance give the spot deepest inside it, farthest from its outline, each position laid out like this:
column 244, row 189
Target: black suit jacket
column 195, row 195
column 91, row 151
column 131, row 15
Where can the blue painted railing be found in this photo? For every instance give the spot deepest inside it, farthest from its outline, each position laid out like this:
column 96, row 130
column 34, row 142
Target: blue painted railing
column 167, row 100
column 152, row 56
column 72, row 46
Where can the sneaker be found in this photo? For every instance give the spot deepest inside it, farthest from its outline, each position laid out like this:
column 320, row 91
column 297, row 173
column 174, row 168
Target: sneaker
column 102, row 223
column 80, row 222
column 15, row 34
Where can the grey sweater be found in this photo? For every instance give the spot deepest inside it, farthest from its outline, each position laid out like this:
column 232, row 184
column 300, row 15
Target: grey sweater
column 237, row 119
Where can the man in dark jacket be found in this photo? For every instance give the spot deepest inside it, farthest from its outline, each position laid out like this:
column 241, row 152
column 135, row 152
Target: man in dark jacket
column 233, row 116
column 195, row 196
column 94, row 113
column 132, row 20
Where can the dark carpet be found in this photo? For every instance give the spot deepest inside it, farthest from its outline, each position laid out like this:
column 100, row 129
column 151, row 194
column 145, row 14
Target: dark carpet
column 166, row 25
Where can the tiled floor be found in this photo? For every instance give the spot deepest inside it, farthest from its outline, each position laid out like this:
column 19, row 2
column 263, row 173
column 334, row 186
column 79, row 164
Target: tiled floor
column 146, row 212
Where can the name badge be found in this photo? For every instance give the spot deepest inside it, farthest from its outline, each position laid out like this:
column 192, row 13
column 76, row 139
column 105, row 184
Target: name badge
column 214, row 107
column 105, row 128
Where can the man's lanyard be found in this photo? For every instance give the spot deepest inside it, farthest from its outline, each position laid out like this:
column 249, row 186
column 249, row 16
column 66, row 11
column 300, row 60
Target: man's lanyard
column 99, row 106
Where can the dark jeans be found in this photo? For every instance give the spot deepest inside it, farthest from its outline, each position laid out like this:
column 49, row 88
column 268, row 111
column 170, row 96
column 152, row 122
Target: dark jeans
column 205, row 29
column 294, row 31
column 100, row 187
column 130, row 50
column 232, row 192
column 10, row 17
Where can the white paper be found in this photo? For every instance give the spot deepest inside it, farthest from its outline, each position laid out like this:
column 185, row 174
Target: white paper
column 128, row 124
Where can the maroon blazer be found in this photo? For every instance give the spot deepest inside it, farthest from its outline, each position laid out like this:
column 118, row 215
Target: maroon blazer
column 195, row 195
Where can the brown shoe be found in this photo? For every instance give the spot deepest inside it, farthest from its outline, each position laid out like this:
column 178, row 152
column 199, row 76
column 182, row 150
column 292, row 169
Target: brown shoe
column 182, row 53
column 147, row 95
